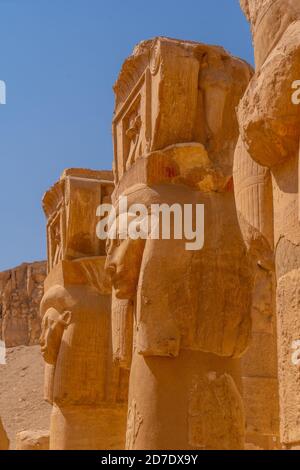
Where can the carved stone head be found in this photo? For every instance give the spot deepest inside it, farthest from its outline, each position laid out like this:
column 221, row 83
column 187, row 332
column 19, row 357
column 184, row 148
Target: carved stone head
column 53, row 325
column 175, row 131
column 172, row 92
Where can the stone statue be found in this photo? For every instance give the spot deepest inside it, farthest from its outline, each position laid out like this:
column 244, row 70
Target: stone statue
column 270, row 128
column 88, row 392
column 191, row 308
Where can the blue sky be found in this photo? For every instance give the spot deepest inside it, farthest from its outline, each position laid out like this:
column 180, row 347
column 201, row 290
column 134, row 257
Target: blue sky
column 59, row 59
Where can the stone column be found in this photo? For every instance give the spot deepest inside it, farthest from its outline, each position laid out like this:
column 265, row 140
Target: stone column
column 175, row 131
column 270, row 129
column 253, row 194
column 88, row 392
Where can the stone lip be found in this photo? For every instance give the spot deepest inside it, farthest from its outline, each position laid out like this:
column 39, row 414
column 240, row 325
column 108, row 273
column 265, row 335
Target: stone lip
column 87, row 173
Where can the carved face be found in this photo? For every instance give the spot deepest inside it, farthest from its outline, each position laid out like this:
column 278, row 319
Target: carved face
column 123, row 264
column 53, row 326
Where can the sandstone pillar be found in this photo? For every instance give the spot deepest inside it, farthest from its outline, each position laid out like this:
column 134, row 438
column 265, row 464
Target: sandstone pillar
column 175, row 131
column 88, row 392
column 270, row 129
column 253, row 194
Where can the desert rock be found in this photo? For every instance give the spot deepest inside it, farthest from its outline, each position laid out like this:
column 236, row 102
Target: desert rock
column 21, row 290
column 32, row 440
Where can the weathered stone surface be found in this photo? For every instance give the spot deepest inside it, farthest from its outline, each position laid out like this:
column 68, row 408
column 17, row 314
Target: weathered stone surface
column 87, row 389
column 32, row 440
column 175, row 172
column 216, row 413
column 21, row 290
column 70, row 207
column 269, row 121
column 269, row 124
column 4, row 442
column 175, row 131
column 269, row 19
column 122, row 330
column 288, row 301
column 211, row 337
column 262, row 418
column 253, row 195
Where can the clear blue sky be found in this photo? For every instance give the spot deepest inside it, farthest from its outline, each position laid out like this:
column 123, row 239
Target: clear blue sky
column 59, row 59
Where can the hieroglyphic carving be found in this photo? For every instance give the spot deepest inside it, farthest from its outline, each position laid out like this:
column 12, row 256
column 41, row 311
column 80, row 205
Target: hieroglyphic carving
column 216, row 415
column 152, row 80
column 70, row 210
column 134, row 422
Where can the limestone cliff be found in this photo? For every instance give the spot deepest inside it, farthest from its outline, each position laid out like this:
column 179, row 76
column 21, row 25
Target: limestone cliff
column 21, row 290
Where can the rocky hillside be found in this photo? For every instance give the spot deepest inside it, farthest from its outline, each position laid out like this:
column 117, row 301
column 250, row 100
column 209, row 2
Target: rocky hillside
column 21, row 290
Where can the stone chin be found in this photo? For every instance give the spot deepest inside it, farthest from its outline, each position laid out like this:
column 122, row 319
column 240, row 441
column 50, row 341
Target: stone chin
column 124, row 293
column 50, row 349
column 124, row 286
